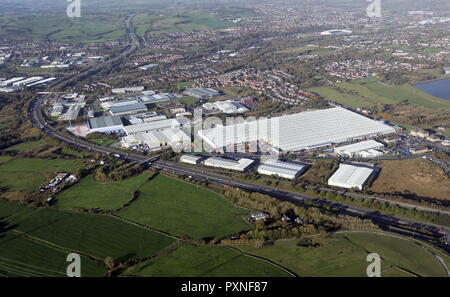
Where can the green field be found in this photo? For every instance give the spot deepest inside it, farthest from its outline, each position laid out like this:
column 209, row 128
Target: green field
column 29, row 174
column 345, row 255
column 88, row 28
column 41, row 166
column 22, row 147
column 188, row 100
column 96, row 235
column 91, row 194
column 367, row 93
column 103, row 141
column 180, row 208
column 202, row 261
column 4, row 159
column 20, row 256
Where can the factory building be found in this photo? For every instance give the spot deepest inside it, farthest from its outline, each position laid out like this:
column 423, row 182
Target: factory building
column 350, row 176
column 9, row 82
column 72, row 113
column 363, row 148
column 173, row 137
column 105, row 124
column 127, row 90
column 240, row 165
column 228, row 106
column 128, row 109
column 301, row 131
column 202, row 93
column 279, row 168
column 150, row 126
column 27, row 81
column 191, row 159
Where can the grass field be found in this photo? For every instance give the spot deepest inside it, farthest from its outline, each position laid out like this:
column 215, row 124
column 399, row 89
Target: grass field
column 29, row 174
column 367, row 93
column 180, row 208
column 22, row 147
column 96, row 235
column 89, row 28
column 188, row 100
column 412, row 175
column 345, row 255
column 4, row 159
column 20, row 256
column 104, row 141
column 91, row 194
column 202, row 261
column 41, row 165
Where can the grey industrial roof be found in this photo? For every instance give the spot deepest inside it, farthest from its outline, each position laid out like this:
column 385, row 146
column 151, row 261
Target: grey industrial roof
column 127, row 108
column 102, row 122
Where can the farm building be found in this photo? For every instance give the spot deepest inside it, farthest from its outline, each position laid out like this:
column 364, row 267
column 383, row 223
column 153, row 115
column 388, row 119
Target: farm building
column 105, row 124
column 240, row 165
column 305, row 130
column 288, row 170
column 363, row 148
column 350, row 176
column 191, row 159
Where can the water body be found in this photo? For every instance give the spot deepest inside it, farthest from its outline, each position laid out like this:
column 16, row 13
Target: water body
column 437, row 88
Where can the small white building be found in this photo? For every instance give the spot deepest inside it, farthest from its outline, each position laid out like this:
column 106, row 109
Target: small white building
column 191, row 159
column 288, row 170
column 240, row 165
column 363, row 148
column 350, row 176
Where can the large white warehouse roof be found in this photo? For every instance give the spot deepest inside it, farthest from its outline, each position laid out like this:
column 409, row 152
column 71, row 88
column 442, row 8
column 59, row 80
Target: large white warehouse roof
column 350, row 176
column 305, row 130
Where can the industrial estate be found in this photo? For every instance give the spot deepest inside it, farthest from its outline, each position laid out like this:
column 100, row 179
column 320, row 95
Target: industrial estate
column 260, row 139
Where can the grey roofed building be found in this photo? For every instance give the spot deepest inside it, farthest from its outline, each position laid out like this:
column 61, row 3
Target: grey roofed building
column 105, row 124
column 202, row 93
column 128, row 109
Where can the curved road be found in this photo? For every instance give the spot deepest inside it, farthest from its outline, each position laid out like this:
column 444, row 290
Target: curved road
column 385, row 220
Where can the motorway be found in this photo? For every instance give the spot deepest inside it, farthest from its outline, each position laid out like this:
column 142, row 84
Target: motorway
column 389, row 222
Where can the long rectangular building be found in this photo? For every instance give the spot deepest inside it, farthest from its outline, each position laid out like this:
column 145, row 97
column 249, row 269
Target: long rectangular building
column 350, row 176
column 240, row 165
column 105, row 124
column 279, row 168
column 305, row 130
column 151, row 126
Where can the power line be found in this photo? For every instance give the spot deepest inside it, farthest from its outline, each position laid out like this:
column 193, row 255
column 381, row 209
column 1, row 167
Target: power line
column 49, row 270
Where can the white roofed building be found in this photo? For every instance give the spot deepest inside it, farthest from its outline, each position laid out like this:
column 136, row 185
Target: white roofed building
column 191, row 159
column 350, row 176
column 240, row 165
column 305, row 130
column 150, row 126
column 279, row 168
column 360, row 148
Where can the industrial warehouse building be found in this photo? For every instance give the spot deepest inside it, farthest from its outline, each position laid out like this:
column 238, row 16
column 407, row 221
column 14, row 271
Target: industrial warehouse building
column 72, row 113
column 105, row 124
column 151, row 126
column 128, row 109
column 173, row 137
column 363, row 148
column 191, row 159
column 279, row 168
column 350, row 176
column 202, row 93
column 227, row 106
column 305, row 130
column 240, row 165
